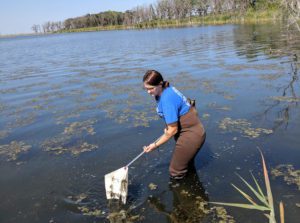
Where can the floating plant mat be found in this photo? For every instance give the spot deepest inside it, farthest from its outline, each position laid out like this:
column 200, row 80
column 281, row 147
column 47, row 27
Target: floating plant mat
column 242, row 126
column 290, row 175
column 12, row 150
column 286, row 99
column 70, row 140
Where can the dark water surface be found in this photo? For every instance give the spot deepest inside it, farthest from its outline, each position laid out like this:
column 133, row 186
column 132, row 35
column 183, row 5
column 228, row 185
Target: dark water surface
column 73, row 109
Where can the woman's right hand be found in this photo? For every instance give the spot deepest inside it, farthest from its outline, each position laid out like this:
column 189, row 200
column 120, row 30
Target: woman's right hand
column 149, row 148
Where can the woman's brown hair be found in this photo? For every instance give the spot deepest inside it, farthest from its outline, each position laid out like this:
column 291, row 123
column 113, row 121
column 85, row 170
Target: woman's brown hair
column 154, row 78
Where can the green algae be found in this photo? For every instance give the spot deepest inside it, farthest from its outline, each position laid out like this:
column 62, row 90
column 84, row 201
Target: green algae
column 286, row 99
column 90, row 212
column 81, row 201
column 21, row 121
column 2, row 107
column 271, row 77
column 57, row 145
column 61, row 144
column 8, row 91
column 4, row 133
column 242, row 126
column 205, row 116
column 228, row 96
column 78, row 198
column 14, row 149
column 218, row 107
column 78, row 128
column 127, row 113
column 289, row 174
column 220, row 215
column 152, row 186
column 70, row 140
column 81, row 148
column 122, row 216
column 59, row 120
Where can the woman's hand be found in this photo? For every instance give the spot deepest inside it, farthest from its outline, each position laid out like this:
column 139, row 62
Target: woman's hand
column 150, row 147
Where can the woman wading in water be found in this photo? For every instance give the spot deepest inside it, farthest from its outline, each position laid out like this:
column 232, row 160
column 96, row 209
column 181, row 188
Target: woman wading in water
column 181, row 120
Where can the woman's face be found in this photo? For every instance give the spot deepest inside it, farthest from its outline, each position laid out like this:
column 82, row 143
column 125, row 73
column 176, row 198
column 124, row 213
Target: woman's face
column 153, row 90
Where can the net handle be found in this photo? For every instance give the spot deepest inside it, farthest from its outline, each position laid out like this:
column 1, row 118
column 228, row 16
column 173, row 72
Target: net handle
column 138, row 156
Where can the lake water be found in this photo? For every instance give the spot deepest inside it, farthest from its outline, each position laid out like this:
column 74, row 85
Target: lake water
column 73, row 108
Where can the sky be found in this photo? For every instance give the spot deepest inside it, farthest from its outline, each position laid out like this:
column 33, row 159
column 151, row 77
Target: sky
column 18, row 16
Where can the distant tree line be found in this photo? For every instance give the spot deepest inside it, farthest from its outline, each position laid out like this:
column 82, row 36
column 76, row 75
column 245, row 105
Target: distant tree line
column 164, row 10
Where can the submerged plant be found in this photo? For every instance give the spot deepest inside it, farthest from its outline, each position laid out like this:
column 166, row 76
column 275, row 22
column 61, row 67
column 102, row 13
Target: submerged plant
column 14, row 149
column 266, row 201
column 289, row 173
column 242, row 126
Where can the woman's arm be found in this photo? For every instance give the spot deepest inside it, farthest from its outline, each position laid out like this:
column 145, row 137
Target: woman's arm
column 170, row 131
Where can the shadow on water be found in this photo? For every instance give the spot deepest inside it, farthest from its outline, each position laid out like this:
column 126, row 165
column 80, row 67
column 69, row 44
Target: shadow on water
column 189, row 200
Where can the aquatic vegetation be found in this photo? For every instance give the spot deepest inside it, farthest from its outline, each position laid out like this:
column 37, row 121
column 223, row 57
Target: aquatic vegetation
column 56, row 145
column 123, row 216
column 196, row 210
column 61, row 144
column 79, row 127
column 228, row 97
column 127, row 114
column 290, row 175
column 4, row 133
column 242, row 126
column 90, row 212
column 220, row 215
column 78, row 198
column 2, row 107
column 152, row 186
column 8, row 91
column 23, row 121
column 67, row 141
column 208, row 86
column 62, row 119
column 80, row 202
column 205, row 116
column 286, row 99
column 271, row 77
column 84, row 147
column 13, row 150
column 215, row 106
column 266, row 201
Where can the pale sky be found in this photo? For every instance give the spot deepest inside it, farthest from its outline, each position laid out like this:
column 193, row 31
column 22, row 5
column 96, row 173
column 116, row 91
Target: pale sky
column 18, row 16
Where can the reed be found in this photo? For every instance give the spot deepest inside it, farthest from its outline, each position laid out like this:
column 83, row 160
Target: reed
column 265, row 204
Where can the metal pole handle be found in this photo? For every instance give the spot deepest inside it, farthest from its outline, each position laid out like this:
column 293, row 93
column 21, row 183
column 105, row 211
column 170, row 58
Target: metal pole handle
column 138, row 156
column 132, row 161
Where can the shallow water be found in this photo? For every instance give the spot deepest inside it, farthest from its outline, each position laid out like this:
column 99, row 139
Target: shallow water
column 73, row 109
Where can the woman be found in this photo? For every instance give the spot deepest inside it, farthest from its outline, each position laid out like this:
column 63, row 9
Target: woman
column 181, row 120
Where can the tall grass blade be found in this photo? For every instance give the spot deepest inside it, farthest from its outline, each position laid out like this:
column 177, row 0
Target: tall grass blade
column 258, row 188
column 244, row 194
column 247, row 206
column 281, row 208
column 258, row 195
column 269, row 192
column 267, row 215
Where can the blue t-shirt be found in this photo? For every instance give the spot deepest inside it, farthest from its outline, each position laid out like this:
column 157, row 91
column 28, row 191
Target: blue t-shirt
column 171, row 105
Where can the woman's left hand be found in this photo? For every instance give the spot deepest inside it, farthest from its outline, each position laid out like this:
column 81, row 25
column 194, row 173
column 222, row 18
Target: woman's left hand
column 149, row 148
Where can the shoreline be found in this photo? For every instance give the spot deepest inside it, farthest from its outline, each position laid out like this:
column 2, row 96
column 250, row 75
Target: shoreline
column 220, row 19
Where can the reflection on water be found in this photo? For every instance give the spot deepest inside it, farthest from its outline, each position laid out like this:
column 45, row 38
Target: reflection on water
column 189, row 200
column 73, row 109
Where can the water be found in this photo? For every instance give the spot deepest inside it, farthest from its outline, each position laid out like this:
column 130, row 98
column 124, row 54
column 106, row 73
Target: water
column 73, row 109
